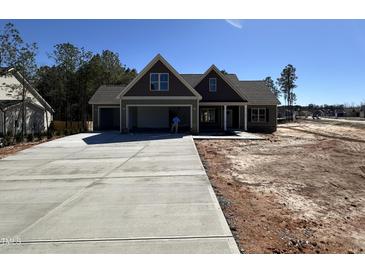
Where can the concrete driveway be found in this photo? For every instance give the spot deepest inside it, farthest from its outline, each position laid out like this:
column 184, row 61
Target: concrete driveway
column 110, row 193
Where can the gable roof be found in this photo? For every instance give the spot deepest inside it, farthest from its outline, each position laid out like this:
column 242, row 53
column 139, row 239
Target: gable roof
column 107, row 94
column 31, row 89
column 256, row 91
column 220, row 74
column 157, row 58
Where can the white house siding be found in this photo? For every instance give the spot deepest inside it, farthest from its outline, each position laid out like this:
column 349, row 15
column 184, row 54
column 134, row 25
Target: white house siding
column 11, row 89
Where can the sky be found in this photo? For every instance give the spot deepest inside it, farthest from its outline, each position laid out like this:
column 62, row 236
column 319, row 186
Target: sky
column 329, row 55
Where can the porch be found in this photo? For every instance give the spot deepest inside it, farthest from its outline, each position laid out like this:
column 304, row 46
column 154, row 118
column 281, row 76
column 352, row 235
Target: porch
column 222, row 117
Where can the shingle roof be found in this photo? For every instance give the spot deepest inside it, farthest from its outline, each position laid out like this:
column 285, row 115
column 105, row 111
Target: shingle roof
column 106, row 95
column 255, row 91
column 192, row 79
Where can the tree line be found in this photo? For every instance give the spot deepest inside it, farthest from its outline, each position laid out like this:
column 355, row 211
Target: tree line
column 76, row 73
column 71, row 80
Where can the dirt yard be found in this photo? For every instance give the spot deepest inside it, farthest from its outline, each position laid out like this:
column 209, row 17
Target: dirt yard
column 9, row 150
column 300, row 191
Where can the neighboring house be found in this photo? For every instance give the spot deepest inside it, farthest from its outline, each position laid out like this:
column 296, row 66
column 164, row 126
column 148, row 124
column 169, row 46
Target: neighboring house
column 210, row 101
column 38, row 113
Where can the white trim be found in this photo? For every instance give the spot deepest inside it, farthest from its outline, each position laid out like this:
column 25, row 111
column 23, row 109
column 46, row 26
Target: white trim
column 191, row 117
column 127, row 117
column 197, row 116
column 159, row 81
column 261, row 104
column 220, row 74
column 92, row 115
column 245, row 117
column 159, row 98
column 159, row 105
column 31, row 89
column 225, row 117
column 116, row 102
column 239, row 116
column 157, row 58
column 120, row 115
column 223, row 103
column 215, row 79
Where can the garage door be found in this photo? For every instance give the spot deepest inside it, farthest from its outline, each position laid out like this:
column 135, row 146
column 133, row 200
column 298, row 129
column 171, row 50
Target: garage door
column 109, row 118
column 159, row 117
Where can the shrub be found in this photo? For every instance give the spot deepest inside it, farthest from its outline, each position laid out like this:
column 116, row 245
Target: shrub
column 39, row 136
column 8, row 139
column 18, row 137
column 65, row 132
column 75, row 131
column 49, row 134
column 30, row 137
column 52, row 127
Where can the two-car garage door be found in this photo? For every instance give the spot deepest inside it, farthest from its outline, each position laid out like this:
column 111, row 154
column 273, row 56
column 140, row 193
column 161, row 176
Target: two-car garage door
column 157, row 117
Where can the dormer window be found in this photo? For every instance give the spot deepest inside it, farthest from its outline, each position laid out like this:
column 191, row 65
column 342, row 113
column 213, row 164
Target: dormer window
column 212, row 84
column 159, row 81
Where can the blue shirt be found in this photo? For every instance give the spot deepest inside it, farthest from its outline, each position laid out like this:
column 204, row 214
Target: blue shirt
column 176, row 120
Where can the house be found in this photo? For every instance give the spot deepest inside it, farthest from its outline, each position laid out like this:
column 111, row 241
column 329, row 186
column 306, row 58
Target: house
column 38, row 113
column 211, row 101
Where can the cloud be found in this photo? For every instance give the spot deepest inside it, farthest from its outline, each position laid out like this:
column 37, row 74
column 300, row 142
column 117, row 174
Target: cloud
column 235, row 22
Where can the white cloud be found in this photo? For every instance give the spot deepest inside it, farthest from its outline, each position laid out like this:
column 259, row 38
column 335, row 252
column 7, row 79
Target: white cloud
column 235, row 22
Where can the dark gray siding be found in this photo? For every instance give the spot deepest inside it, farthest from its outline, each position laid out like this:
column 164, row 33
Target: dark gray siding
column 224, row 92
column 176, row 87
column 271, row 119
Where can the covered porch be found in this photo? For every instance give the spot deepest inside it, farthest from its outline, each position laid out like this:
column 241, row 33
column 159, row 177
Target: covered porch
column 222, row 116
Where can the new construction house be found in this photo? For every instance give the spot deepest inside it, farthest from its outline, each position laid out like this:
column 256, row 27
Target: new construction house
column 210, row 101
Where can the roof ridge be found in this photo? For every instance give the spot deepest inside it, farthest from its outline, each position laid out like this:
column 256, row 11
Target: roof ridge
column 251, row 80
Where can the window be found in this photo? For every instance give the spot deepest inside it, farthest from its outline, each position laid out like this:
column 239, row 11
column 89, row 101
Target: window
column 207, row 115
column 212, row 84
column 258, row 115
column 159, row 81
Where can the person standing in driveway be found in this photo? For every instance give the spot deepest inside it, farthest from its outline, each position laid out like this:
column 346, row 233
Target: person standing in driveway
column 175, row 124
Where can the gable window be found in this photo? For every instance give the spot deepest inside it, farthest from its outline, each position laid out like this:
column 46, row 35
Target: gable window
column 258, row 115
column 207, row 115
column 159, row 81
column 212, row 84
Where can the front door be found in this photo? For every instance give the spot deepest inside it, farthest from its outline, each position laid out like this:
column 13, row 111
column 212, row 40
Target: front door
column 229, row 118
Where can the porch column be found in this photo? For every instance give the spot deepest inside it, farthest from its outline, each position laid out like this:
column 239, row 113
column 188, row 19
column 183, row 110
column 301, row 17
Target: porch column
column 225, row 117
column 245, row 117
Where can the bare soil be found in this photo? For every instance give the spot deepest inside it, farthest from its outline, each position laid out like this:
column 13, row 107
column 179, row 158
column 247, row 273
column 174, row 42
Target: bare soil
column 9, row 150
column 300, row 191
